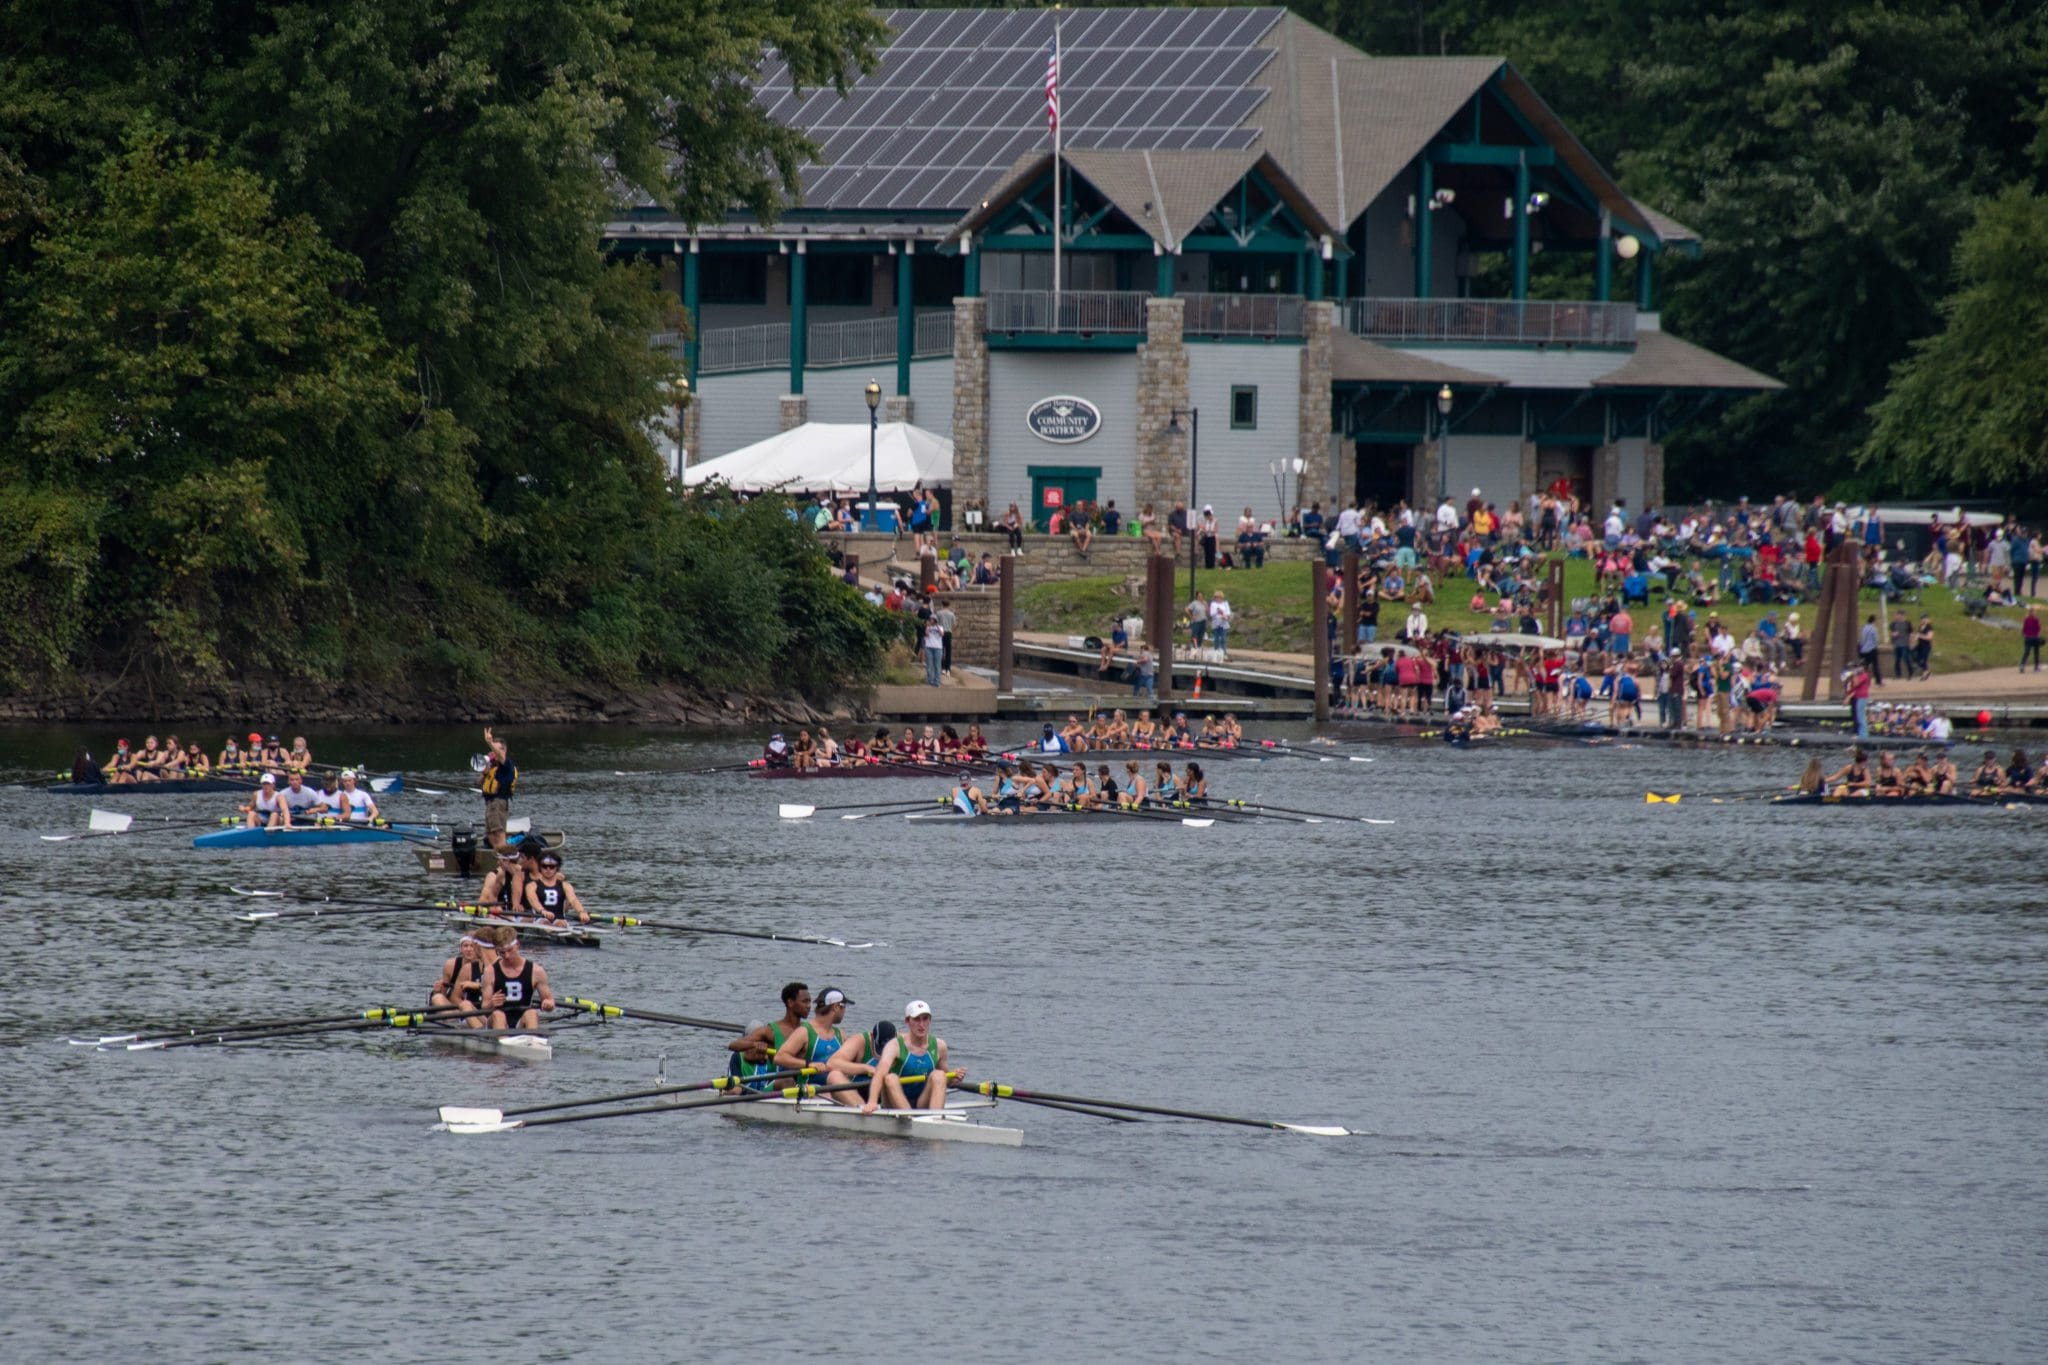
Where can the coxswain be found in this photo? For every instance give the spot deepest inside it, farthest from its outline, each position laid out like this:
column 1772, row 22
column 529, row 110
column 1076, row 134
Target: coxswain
column 1918, row 777
column 350, row 802
column 499, row 781
column 264, row 810
column 1194, row 788
column 461, row 984
column 776, row 753
column 1989, row 777
column 1135, row 791
column 803, row 755
column 1048, row 741
column 302, row 805
column 550, row 895
column 1944, row 775
column 517, row 987
column 753, row 1053
column 819, row 1043
column 910, row 1069
column 1853, row 777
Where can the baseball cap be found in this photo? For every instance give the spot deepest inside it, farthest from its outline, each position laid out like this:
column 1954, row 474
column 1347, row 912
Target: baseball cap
column 255, row 738
column 269, row 780
column 550, row 859
column 831, row 996
column 348, row 772
column 917, row 1009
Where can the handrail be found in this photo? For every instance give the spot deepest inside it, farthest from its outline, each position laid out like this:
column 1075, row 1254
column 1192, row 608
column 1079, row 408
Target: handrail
column 1081, row 311
column 1510, row 321
column 1242, row 315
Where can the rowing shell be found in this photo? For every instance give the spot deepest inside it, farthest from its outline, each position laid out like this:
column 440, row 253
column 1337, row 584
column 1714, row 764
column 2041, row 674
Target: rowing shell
column 1995, row 800
column 525, row 1047
column 533, row 932
column 313, row 836
column 170, row 786
column 1197, row 817
column 957, row 1122
column 483, row 860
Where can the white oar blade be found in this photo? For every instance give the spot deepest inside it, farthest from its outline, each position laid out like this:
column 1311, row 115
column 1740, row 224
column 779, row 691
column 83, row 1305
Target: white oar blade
column 109, row 822
column 103, row 1042
column 1310, row 820
column 789, row 811
column 1354, row 758
column 1196, row 824
column 380, row 785
column 452, row 1113
column 430, row 791
column 259, row 916
column 1314, row 1131
column 251, row 891
column 520, row 826
column 60, row 838
column 145, row 1047
column 471, row 1128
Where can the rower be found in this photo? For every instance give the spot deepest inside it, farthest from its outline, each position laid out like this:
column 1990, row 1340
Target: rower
column 120, row 769
column 550, row 895
column 1098, row 731
column 2019, row 774
column 504, row 890
column 1009, row 797
column 1165, row 789
column 1107, row 793
column 351, row 803
column 461, row 984
column 273, row 753
column 1194, row 788
column 264, row 810
column 820, row 1044
column 906, row 747
column 1853, row 778
column 1119, row 732
column 172, row 764
column 753, row 1053
column 1918, row 777
column 1035, row 784
column 252, row 751
column 301, row 804
column 910, row 1069
column 1080, row 792
column 500, row 780
column 1144, row 730
column 929, row 749
column 1075, row 734
column 196, row 764
column 1212, row 733
column 1047, row 742
column 975, row 744
column 1177, row 732
column 148, row 759
column 1233, row 730
column 1943, row 776
column 300, row 757
column 829, row 752
column 1134, row 792
column 1989, row 777
column 517, row 987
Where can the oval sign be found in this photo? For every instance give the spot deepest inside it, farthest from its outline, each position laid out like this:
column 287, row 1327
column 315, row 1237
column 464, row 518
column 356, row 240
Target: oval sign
column 1063, row 419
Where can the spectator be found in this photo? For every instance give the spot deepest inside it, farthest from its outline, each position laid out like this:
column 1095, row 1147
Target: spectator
column 1013, row 527
column 1112, row 520
column 1219, row 624
column 1145, row 674
column 1866, row 648
column 1923, row 648
column 1902, row 644
column 1197, row 617
column 1148, row 528
column 2030, row 638
column 1208, row 536
column 1418, row 625
column 1621, row 631
column 947, row 620
column 1083, row 533
column 934, row 651
column 1312, row 521
column 1177, row 525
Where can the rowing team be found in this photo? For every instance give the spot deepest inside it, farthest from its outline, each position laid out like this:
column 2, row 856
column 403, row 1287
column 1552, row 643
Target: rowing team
column 906, row 1069
column 1921, row 778
column 296, row 804
column 158, row 763
column 1117, row 731
column 823, row 751
column 1472, row 722
column 531, row 886
column 493, row 983
column 1038, row 788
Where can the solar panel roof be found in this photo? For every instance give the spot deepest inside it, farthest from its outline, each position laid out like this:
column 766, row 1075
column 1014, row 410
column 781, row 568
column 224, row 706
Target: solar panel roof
column 959, row 95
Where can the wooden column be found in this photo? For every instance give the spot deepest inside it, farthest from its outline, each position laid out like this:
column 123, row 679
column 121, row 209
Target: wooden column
column 1006, row 625
column 1319, row 632
column 1848, row 613
column 1553, row 617
column 1159, row 617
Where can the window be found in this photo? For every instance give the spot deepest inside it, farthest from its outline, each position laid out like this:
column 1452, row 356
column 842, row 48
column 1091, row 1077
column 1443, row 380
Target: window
column 839, row 279
column 935, row 281
column 1244, row 407
column 732, row 279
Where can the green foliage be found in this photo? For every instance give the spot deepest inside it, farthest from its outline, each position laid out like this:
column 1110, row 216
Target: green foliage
column 1969, row 410
column 313, row 352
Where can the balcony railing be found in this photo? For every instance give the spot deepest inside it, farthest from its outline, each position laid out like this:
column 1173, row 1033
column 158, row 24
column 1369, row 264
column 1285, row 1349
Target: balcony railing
column 1081, row 312
column 855, row 341
column 764, row 346
column 1242, row 315
column 1524, row 322
column 934, row 334
column 852, row 342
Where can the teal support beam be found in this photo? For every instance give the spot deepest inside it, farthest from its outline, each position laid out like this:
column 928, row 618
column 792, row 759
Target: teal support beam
column 1297, row 286
column 799, row 320
column 970, row 271
column 1603, row 259
column 1522, row 229
column 1343, row 277
column 1425, row 190
column 693, row 310
column 1646, row 291
column 1468, row 154
column 906, row 323
column 1162, row 274
column 1315, row 273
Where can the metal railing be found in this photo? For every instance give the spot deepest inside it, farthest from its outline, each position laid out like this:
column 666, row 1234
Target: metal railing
column 1080, row 311
column 763, row 346
column 1509, row 321
column 1242, row 315
column 934, row 334
column 852, row 342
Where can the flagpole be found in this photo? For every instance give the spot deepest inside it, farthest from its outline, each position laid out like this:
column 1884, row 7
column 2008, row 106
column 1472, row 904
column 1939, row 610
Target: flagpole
column 1058, row 222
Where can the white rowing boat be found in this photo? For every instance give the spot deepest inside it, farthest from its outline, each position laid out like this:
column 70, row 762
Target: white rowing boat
column 524, row 1046
column 959, row 1121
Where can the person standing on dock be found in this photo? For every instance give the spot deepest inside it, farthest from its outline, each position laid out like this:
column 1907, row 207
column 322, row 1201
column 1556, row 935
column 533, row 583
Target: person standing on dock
column 2030, row 639
column 500, row 779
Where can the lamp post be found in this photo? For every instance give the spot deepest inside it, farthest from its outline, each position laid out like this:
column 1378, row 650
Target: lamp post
column 1443, row 443
column 1194, row 431
column 682, row 392
column 1299, row 465
column 870, row 515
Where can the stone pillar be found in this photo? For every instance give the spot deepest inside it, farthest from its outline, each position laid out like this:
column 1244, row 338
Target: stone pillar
column 1162, row 458
column 1422, row 477
column 1528, row 475
column 1653, row 474
column 970, row 401
column 1343, row 479
column 897, row 407
column 693, row 448
column 1606, row 474
column 796, row 410
column 1318, row 321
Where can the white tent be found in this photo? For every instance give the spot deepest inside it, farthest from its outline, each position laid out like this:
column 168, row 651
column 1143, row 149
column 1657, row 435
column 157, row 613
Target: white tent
column 820, row 455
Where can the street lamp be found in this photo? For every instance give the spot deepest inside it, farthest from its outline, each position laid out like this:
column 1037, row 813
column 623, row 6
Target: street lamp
column 1299, row 465
column 1443, row 443
column 1194, row 433
column 682, row 392
column 869, row 516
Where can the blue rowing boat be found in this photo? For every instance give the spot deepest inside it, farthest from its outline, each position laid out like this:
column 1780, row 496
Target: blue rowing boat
column 315, row 836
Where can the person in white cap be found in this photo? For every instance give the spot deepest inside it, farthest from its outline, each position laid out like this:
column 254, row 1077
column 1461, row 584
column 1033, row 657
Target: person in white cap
column 910, row 1071
column 350, row 802
column 264, row 809
column 820, row 1043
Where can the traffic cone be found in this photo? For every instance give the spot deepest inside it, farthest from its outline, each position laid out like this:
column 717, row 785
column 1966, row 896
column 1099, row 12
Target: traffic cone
column 1199, row 674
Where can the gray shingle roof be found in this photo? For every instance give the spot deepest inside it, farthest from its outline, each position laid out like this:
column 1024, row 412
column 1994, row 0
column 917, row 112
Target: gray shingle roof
column 1662, row 361
column 1354, row 360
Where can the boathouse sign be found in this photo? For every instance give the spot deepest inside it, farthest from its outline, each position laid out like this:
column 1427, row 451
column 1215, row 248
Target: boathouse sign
column 1063, row 419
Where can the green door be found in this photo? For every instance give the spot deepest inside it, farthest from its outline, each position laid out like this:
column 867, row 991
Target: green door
column 1057, row 486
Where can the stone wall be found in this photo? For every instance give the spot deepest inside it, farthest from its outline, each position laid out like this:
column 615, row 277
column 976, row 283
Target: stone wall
column 898, row 407
column 693, row 441
column 1606, row 468
column 1653, row 474
column 1422, row 476
column 976, row 626
column 1162, row 458
column 1318, row 320
column 970, row 401
column 1047, row 559
column 796, row 410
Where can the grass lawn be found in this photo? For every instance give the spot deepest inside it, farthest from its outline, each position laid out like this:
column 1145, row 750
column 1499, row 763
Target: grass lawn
column 1272, row 612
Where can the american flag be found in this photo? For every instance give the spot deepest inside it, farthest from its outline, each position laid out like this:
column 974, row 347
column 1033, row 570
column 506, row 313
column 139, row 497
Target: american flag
column 1052, row 89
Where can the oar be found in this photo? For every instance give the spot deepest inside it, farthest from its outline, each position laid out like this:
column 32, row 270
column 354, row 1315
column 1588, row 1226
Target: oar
column 451, row 1113
column 632, row 922
column 104, row 822
column 1078, row 1109
column 605, row 1011
column 793, row 1092
column 261, row 916
column 1005, row 1092
column 411, row 1019
column 301, row 898
column 1274, row 746
column 790, row 810
column 1317, row 814
column 380, row 1012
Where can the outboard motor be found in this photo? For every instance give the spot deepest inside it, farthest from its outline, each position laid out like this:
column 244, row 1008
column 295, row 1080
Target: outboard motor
column 462, row 847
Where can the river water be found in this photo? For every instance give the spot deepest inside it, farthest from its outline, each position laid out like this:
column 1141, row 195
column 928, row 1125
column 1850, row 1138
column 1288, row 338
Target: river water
column 1697, row 1082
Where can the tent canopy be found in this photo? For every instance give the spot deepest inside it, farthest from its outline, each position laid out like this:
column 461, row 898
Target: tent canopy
column 834, row 455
